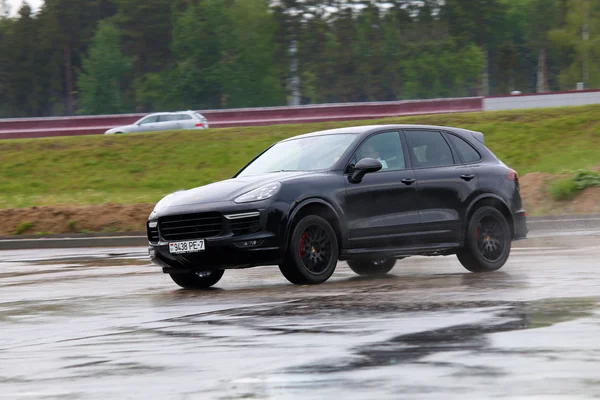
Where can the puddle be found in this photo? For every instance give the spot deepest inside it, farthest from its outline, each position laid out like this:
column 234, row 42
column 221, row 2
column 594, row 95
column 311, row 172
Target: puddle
column 410, row 348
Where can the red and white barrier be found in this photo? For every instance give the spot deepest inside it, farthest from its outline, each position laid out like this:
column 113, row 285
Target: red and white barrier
column 93, row 125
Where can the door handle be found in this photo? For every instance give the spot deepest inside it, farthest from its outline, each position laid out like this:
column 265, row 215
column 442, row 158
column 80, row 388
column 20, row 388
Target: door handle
column 467, row 177
column 408, row 181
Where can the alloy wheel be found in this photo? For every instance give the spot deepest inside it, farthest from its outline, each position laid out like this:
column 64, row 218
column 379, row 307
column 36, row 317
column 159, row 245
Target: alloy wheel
column 490, row 238
column 315, row 249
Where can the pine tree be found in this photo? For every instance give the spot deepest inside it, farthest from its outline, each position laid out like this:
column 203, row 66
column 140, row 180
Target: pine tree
column 103, row 72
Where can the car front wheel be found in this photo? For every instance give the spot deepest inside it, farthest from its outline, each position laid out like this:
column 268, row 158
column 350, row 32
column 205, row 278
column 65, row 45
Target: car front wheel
column 372, row 268
column 488, row 241
column 198, row 280
column 312, row 252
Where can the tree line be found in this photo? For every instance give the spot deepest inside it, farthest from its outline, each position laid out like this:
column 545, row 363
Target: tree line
column 116, row 56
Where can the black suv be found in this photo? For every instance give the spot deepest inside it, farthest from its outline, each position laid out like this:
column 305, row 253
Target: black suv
column 370, row 195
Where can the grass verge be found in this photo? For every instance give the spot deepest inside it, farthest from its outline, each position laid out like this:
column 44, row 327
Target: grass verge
column 141, row 168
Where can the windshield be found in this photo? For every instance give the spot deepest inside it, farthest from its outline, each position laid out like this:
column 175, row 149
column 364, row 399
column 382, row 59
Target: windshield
column 306, row 154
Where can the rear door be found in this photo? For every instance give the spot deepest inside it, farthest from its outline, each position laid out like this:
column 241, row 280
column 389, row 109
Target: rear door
column 186, row 121
column 444, row 185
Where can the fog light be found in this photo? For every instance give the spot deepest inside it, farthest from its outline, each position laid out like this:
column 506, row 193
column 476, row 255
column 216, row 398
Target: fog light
column 248, row 243
column 152, row 252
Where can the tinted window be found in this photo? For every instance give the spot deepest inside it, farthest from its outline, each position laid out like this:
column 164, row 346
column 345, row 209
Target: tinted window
column 183, row 117
column 466, row 151
column 428, row 149
column 304, row 154
column 149, row 120
column 384, row 147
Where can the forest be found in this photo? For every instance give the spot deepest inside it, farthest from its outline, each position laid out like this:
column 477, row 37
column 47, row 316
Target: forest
column 116, row 56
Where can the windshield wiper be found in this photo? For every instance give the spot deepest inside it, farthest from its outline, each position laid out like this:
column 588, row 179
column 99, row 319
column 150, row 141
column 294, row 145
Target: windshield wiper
column 283, row 170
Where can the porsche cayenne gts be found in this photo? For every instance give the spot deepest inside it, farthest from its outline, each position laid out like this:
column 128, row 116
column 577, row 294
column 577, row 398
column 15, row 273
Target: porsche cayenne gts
column 370, row 195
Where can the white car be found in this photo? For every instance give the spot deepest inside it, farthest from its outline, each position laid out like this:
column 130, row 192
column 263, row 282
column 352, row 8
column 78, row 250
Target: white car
column 164, row 122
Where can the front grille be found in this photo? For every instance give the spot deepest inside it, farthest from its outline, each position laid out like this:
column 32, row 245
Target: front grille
column 191, row 226
column 152, row 234
column 245, row 226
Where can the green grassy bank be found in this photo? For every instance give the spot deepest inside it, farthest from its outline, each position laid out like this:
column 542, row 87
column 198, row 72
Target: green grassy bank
column 138, row 168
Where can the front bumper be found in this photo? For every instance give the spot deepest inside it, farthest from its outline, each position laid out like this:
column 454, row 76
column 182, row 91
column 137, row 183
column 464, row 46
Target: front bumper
column 219, row 254
column 228, row 250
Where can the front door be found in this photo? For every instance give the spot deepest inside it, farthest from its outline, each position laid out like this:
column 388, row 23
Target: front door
column 444, row 185
column 381, row 211
column 148, row 124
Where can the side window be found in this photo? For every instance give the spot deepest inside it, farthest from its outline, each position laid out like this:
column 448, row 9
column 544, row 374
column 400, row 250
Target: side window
column 428, row 149
column 183, row 117
column 384, row 147
column 168, row 117
column 149, row 120
column 466, row 151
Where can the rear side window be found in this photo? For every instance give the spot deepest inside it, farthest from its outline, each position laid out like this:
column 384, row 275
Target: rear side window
column 428, row 149
column 183, row 117
column 466, row 151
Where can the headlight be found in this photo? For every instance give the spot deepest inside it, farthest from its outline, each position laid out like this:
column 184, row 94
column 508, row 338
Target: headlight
column 262, row 193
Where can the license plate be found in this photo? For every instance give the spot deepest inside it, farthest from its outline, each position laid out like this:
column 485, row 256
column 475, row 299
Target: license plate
column 189, row 246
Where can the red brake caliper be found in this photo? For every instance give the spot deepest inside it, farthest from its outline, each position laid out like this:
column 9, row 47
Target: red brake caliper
column 302, row 239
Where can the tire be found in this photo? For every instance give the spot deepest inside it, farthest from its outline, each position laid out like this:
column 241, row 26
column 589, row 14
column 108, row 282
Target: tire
column 488, row 241
column 194, row 281
column 312, row 252
column 372, row 268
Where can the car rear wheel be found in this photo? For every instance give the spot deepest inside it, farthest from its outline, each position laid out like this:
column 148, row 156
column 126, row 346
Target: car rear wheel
column 312, row 252
column 198, row 280
column 488, row 241
column 372, row 268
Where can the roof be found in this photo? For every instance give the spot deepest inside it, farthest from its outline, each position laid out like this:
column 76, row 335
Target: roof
column 367, row 129
column 170, row 112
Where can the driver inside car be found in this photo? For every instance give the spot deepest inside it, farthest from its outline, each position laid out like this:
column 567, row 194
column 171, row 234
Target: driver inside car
column 370, row 152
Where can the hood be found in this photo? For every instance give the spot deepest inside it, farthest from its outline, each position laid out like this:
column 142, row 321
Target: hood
column 226, row 190
column 125, row 129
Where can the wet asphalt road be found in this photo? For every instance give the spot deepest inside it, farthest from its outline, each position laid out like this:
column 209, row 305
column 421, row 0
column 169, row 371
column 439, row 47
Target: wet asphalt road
column 105, row 324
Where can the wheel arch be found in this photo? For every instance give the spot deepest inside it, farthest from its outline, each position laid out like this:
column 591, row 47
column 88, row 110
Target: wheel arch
column 493, row 200
column 320, row 207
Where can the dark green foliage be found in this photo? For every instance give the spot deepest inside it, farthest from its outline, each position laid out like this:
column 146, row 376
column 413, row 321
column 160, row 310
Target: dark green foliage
column 584, row 178
column 564, row 189
column 102, row 75
column 202, row 54
column 568, row 188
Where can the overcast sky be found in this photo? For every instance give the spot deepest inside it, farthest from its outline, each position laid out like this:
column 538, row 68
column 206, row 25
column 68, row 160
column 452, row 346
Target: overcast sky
column 16, row 4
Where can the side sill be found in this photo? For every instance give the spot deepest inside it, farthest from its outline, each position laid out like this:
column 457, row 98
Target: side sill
column 432, row 250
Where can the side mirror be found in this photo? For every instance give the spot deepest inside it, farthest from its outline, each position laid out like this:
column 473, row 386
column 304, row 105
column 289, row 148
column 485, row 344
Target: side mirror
column 364, row 166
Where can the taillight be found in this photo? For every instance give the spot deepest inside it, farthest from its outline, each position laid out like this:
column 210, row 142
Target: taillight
column 200, row 124
column 512, row 175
